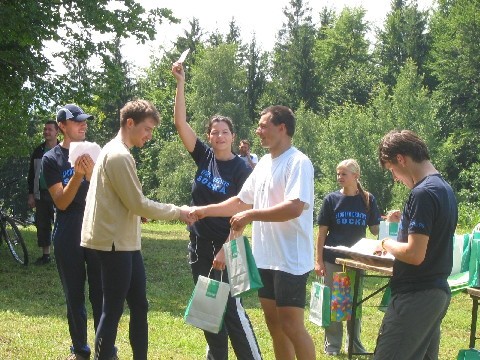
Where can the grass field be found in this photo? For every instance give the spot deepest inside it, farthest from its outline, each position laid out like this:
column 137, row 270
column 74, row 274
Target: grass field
column 33, row 323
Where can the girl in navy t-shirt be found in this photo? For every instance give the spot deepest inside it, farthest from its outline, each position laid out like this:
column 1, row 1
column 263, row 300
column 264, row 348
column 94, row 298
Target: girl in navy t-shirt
column 343, row 220
column 220, row 175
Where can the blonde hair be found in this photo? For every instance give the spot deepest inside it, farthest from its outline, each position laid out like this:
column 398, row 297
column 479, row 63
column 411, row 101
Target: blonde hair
column 352, row 166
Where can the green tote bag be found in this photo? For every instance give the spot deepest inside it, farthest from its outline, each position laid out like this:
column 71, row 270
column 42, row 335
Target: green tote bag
column 243, row 274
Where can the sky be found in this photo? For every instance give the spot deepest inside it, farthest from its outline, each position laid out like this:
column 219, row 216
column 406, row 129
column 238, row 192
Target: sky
column 264, row 18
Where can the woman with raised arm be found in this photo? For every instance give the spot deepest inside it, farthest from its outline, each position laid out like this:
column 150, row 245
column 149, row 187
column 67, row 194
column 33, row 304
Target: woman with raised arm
column 220, row 175
column 343, row 220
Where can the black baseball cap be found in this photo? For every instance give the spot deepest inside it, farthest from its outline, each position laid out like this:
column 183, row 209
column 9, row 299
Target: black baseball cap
column 72, row 112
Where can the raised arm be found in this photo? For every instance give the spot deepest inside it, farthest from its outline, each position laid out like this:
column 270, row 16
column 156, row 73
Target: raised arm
column 188, row 136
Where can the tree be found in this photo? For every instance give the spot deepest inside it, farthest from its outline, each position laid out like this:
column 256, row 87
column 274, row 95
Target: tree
column 170, row 181
column 344, row 68
column 158, row 85
column 354, row 131
column 256, row 63
column 293, row 77
column 218, row 87
column 327, row 20
column 409, row 106
column 233, row 35
column 455, row 62
column 215, row 38
column 29, row 81
column 404, row 36
column 112, row 90
column 191, row 39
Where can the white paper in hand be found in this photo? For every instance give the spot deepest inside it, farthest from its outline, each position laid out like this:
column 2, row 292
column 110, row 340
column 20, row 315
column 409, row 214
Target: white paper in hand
column 182, row 57
column 83, row 147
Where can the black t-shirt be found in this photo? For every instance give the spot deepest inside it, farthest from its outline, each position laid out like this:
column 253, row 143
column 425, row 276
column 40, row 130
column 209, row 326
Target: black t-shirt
column 431, row 209
column 57, row 169
column 215, row 181
column 347, row 219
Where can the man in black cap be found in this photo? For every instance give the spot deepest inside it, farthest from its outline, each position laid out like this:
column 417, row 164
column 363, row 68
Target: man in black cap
column 68, row 186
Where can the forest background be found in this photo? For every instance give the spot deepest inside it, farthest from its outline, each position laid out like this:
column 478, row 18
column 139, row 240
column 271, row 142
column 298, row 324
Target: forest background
column 421, row 71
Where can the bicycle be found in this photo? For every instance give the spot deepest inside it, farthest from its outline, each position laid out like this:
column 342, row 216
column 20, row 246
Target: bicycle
column 12, row 236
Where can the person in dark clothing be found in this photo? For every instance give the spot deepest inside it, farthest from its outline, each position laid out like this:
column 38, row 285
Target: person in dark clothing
column 423, row 252
column 68, row 186
column 220, row 175
column 38, row 196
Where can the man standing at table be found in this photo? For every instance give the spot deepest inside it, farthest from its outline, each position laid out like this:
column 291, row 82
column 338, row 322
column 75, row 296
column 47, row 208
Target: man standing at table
column 278, row 198
column 423, row 252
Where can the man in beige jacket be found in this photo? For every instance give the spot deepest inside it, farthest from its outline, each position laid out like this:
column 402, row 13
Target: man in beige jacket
column 111, row 226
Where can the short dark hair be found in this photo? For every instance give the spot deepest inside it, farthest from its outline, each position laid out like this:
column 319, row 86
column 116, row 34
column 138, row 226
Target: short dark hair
column 281, row 115
column 219, row 118
column 402, row 142
column 138, row 111
column 52, row 122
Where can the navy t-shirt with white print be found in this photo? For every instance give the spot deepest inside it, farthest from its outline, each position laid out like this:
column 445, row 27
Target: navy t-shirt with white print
column 215, row 181
column 347, row 219
column 431, row 209
column 57, row 169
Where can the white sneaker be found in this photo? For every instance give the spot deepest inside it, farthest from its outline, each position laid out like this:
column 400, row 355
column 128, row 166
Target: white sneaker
column 331, row 353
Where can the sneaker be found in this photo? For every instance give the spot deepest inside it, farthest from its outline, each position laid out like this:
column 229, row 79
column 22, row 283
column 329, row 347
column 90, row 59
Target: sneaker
column 74, row 356
column 43, row 260
column 331, row 353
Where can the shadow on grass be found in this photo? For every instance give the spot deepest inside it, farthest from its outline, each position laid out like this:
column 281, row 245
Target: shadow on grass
column 169, row 280
column 36, row 290
column 35, row 294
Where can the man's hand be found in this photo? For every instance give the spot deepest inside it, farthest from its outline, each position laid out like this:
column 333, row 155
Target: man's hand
column 219, row 260
column 240, row 220
column 186, row 215
column 88, row 165
column 84, row 166
column 78, row 166
column 393, row 216
column 198, row 212
column 31, row 201
column 380, row 248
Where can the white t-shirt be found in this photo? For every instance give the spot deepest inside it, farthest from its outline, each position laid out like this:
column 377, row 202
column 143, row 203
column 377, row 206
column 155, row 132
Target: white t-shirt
column 285, row 246
column 253, row 157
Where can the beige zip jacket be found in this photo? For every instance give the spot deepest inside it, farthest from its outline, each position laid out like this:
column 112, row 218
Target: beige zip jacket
column 115, row 203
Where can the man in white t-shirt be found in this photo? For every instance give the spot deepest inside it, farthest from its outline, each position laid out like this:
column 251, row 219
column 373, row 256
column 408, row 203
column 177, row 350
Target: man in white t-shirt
column 244, row 153
column 278, row 198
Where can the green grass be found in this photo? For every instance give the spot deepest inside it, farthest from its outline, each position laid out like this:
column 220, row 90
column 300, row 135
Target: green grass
column 33, row 323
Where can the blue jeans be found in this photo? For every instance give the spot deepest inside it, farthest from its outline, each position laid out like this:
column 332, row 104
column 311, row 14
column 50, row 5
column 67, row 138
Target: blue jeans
column 123, row 278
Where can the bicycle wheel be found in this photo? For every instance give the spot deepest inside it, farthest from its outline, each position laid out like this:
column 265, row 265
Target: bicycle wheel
column 14, row 240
